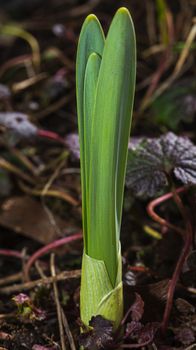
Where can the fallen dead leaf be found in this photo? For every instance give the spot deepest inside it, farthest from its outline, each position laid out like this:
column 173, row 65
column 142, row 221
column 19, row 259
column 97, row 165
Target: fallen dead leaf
column 28, row 217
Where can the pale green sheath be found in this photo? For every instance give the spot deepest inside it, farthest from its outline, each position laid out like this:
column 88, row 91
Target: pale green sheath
column 98, row 297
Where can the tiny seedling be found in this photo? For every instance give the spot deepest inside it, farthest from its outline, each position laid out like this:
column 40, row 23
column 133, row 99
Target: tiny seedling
column 105, row 84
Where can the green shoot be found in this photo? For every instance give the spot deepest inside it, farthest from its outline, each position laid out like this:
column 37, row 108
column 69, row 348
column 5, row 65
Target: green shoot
column 105, row 82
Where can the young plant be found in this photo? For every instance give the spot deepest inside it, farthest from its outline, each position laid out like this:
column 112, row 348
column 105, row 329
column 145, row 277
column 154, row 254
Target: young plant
column 105, row 83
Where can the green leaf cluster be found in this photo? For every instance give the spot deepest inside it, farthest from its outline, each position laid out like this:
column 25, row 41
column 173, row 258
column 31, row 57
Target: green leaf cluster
column 105, row 80
column 105, row 83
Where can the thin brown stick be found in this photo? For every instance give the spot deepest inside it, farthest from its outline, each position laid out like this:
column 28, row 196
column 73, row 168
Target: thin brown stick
column 191, row 290
column 192, row 347
column 19, row 60
column 67, row 330
column 53, row 107
column 11, row 278
column 57, row 302
column 39, row 269
column 150, row 22
column 163, row 64
column 23, row 159
column 13, row 169
column 42, row 281
column 24, row 84
column 5, row 316
column 178, row 68
column 52, row 192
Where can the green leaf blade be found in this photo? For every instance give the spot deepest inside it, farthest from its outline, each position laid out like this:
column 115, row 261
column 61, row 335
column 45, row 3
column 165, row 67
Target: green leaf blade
column 91, row 40
column 90, row 87
column 109, row 140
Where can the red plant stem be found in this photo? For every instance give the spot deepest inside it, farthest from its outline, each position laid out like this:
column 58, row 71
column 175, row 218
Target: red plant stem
column 164, row 61
column 187, row 235
column 158, row 74
column 50, row 135
column 47, row 248
column 138, row 268
column 136, row 346
column 126, row 316
column 154, row 203
column 11, row 253
column 185, row 251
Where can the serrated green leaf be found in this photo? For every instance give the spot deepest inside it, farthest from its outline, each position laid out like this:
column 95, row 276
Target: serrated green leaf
column 109, row 140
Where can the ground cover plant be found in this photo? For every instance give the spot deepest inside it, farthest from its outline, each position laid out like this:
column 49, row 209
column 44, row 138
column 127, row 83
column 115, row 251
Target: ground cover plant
column 41, row 232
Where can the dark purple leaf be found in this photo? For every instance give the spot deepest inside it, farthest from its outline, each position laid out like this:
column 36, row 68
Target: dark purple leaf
column 185, row 335
column 38, row 314
column 184, row 307
column 134, row 142
column 132, row 329
column 148, row 332
column 100, row 336
column 144, row 335
column 26, row 308
column 153, row 160
column 137, row 309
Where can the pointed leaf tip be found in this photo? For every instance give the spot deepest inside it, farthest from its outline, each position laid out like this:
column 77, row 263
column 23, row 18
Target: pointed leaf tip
column 91, row 17
column 123, row 10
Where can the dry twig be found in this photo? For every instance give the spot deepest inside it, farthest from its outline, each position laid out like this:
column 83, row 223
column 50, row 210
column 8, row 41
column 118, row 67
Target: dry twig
column 42, row 281
column 67, row 330
column 10, row 279
column 57, row 302
column 179, row 64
